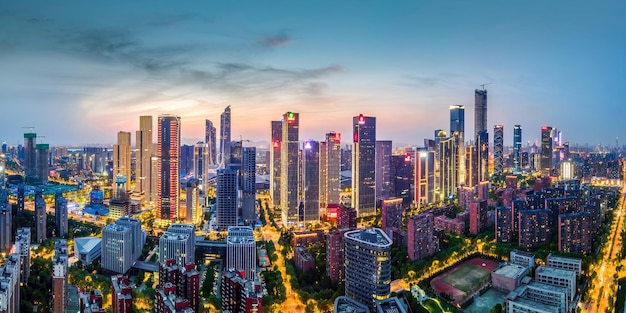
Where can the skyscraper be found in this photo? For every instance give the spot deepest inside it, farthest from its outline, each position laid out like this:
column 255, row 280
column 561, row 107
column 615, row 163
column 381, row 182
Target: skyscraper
column 383, row 169
column 168, row 181
column 42, row 162
column 421, row 240
column 367, row 265
column 201, row 163
column 498, row 149
column 226, row 198
column 143, row 166
column 60, row 214
column 480, row 111
column 121, row 157
column 29, row 156
column 210, row 135
column 241, row 251
column 117, row 248
column 22, row 246
column 402, row 177
column 482, row 155
column 447, row 158
column 59, row 276
column 289, row 168
column 248, row 184
column 137, row 235
column 546, row 149
column 5, row 223
column 225, row 136
column 178, row 243
column 457, row 128
column 424, row 176
column 40, row 215
column 330, row 169
column 364, row 165
column 192, row 202
column 311, row 181
column 517, row 147
column 275, row 161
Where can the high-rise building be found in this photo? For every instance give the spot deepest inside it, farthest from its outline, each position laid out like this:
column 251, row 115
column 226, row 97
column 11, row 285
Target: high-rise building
column 424, row 176
column 143, row 165
column 178, row 243
column 30, row 161
column 117, row 248
column 517, row 147
column 2, row 170
column 275, row 161
column 534, row 228
column 22, row 247
column 42, row 163
column 335, row 248
column 240, row 295
column 447, row 173
column 457, row 129
column 5, row 223
column 575, row 232
column 498, row 149
column 137, row 235
column 346, row 217
column 248, row 185
column 225, row 136
column 383, row 169
column 186, row 160
column 289, row 171
column 364, row 165
column 192, row 209
column 311, row 181
column 504, row 225
column 60, row 214
column 121, row 157
column 480, row 111
column 546, row 149
column 40, row 215
column 367, row 265
column 122, row 294
column 421, row 240
column 168, row 301
column 168, row 181
column 201, row 163
column 241, row 251
column 20, row 197
column 478, row 217
column 330, row 169
column 210, row 137
column 471, row 166
column 59, row 276
column 186, row 279
column 10, row 284
column 391, row 215
column 226, row 198
column 482, row 155
column 402, row 177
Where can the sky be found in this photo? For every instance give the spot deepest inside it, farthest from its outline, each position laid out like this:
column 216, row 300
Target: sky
column 80, row 71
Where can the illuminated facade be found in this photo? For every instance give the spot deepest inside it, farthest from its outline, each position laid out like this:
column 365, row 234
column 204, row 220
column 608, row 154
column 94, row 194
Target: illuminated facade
column 517, row 147
column 29, row 156
column 575, row 232
column 457, row 129
column 498, row 149
column 330, row 169
column 168, row 180
column 248, row 184
column 225, row 136
column 121, row 157
column 201, row 161
column 383, row 169
column 226, row 198
column 534, row 228
column 275, row 161
column 480, row 111
column 289, row 170
column 144, row 188
column 424, row 176
column 421, row 240
column 364, row 165
column 447, row 172
column 546, row 149
column 210, row 137
column 311, row 182
column 482, row 155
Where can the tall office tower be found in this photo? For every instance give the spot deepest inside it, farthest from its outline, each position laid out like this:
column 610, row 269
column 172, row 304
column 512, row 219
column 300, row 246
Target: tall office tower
column 2, row 170
column 422, row 242
column 335, row 248
column 391, row 215
column 119, row 204
column 30, row 171
column 383, row 169
column 471, row 166
column 311, row 182
column 275, row 161
column 201, row 163
column 60, row 214
column 186, row 160
column 121, row 157
column 168, row 181
column 40, row 215
column 367, row 265
column 248, row 184
column 504, row 225
column 22, row 247
column 289, row 168
column 10, row 284
column 5, row 222
column 59, row 276
column 402, row 177
column 192, row 202
column 42, row 163
column 137, row 235
column 143, row 166
column 225, row 136
column 546, row 149
column 424, row 177
column 364, row 165
column 241, row 251
column 457, row 128
column 575, row 232
column 447, row 157
column 122, row 294
column 482, row 155
column 178, row 243
column 117, row 248
column 480, row 111
column 533, row 228
column 517, row 147
column 498, row 149
column 226, row 198
column 210, row 137
column 330, row 170
column 567, row 170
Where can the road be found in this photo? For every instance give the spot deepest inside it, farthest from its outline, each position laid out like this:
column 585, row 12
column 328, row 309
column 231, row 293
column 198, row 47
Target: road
column 605, row 269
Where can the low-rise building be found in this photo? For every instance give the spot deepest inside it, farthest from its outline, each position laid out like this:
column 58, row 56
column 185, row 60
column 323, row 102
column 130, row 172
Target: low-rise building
column 508, row 276
column 87, row 249
column 557, row 277
column 522, row 258
column 572, row 264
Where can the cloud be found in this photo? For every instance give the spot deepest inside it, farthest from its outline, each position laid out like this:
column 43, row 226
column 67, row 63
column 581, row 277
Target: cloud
column 277, row 40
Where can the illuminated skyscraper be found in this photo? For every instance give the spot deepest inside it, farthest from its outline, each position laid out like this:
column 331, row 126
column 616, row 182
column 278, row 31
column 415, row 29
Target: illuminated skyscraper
column 275, row 161
column 457, row 128
column 29, row 156
column 383, row 169
column 225, row 136
column 201, row 163
column 168, row 181
column 498, row 149
column 424, row 176
column 482, row 158
column 226, row 198
column 121, row 157
column 546, row 149
column 517, row 147
column 210, row 135
column 60, row 214
column 143, row 162
column 471, row 166
column 42, row 162
column 248, row 184
column 480, row 111
column 289, row 168
column 364, row 165
column 447, row 158
column 311, row 181
column 5, row 222
column 330, row 169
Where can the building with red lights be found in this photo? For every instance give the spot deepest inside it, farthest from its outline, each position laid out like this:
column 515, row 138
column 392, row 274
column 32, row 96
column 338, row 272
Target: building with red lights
column 185, row 279
column 364, row 165
column 307, row 238
column 168, row 178
column 240, row 295
column 121, row 292
column 346, row 217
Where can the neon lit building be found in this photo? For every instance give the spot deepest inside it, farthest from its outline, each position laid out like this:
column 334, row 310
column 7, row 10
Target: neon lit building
column 168, row 179
column 311, row 181
column 275, row 161
column 330, row 169
column 121, row 157
column 498, row 149
column 289, row 170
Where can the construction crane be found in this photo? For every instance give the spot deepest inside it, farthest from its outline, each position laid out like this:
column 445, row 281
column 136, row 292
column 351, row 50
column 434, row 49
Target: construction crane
column 30, row 128
column 483, row 85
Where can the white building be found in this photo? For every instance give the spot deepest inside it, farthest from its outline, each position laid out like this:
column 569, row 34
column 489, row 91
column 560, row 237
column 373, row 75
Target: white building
column 22, row 246
column 175, row 246
column 117, row 248
column 523, row 259
column 557, row 277
column 571, row 264
column 10, row 284
column 241, row 251
column 87, row 249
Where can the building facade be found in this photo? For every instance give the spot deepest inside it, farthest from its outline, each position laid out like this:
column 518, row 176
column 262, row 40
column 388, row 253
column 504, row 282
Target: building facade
column 364, row 165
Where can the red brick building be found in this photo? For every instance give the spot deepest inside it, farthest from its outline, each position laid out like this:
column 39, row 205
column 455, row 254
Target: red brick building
column 122, row 294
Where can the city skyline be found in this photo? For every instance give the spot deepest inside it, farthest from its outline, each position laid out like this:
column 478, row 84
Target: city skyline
column 79, row 76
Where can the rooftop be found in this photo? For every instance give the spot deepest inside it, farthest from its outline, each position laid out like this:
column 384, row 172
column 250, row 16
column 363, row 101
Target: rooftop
column 537, row 305
column 511, row 270
column 344, row 304
column 86, row 244
column 563, row 259
column 374, row 236
column 555, row 272
column 175, row 236
column 391, row 305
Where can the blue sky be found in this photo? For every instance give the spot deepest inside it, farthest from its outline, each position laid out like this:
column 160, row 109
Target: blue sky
column 80, row 71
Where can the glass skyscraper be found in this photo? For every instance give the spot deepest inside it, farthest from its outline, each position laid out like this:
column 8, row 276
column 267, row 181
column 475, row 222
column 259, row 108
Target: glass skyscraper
column 364, row 165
